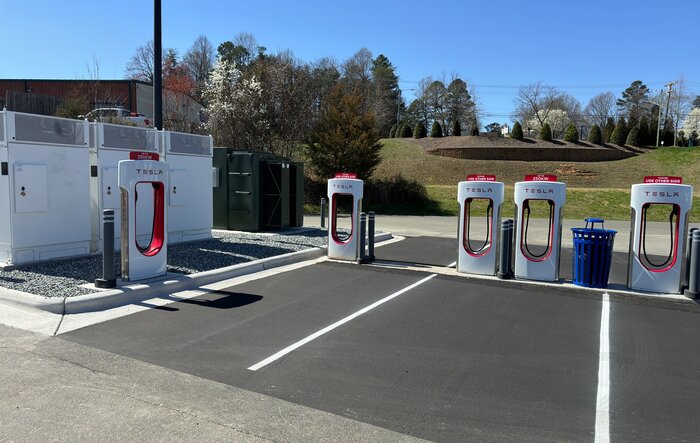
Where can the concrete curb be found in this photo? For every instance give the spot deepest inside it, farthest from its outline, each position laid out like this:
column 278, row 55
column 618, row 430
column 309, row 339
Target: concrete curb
column 135, row 293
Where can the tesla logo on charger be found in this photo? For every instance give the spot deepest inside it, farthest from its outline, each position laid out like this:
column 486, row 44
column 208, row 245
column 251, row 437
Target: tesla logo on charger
column 541, row 178
column 149, row 171
column 342, row 186
column 480, row 190
column 662, row 194
column 539, row 191
column 136, row 155
column 662, row 179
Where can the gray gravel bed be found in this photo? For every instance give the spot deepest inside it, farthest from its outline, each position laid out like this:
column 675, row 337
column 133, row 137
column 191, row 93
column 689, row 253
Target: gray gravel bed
column 63, row 277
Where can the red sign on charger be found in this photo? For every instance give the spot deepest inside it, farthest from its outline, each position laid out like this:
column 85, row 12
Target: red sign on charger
column 541, row 178
column 663, row 179
column 136, row 155
column 481, row 178
column 345, row 175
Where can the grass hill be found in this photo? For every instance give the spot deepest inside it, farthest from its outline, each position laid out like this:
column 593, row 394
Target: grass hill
column 593, row 188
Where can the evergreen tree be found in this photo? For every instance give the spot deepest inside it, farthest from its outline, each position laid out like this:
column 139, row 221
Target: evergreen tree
column 456, row 128
column 633, row 98
column 392, row 131
column 474, row 131
column 436, row 130
column 546, row 132
column 619, row 135
column 644, row 138
column 385, row 93
column 608, row 130
column 345, row 138
column 633, row 138
column 595, row 136
column 667, row 135
column 420, row 131
column 653, row 129
column 517, row 132
column 571, row 134
column 406, row 131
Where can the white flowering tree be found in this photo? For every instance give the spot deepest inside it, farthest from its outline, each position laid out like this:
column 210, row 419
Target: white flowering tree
column 235, row 112
column 692, row 122
column 557, row 119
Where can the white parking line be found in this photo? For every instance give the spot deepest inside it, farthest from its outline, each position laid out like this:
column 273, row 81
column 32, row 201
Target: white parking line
column 329, row 328
column 602, row 416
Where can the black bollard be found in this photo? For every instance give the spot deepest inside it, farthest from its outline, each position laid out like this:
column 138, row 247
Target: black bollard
column 370, row 235
column 506, row 245
column 362, row 259
column 694, row 278
column 688, row 246
column 109, row 279
column 323, row 212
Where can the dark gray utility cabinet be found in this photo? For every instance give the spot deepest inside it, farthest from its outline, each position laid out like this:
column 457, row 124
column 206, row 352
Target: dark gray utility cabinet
column 257, row 191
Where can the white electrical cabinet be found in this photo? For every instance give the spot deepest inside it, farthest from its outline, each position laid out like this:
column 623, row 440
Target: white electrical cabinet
column 190, row 199
column 44, row 188
column 109, row 144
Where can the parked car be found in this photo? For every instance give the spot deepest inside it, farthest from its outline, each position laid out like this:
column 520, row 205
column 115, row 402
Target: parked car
column 119, row 116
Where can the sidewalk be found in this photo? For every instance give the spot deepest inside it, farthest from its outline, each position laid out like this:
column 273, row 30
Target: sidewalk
column 434, row 226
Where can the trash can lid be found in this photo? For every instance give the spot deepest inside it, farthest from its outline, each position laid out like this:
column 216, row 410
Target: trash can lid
column 594, row 220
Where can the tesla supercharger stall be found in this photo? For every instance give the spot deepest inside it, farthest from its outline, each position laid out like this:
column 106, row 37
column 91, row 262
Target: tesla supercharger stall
column 44, row 188
column 344, row 191
column 537, row 261
column 190, row 192
column 143, row 177
column 651, row 268
column 480, row 198
column 109, row 144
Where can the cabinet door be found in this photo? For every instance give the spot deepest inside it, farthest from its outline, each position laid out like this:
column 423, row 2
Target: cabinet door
column 110, row 188
column 31, row 188
column 178, row 187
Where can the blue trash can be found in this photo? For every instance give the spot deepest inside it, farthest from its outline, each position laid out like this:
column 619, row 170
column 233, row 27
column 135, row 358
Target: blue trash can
column 593, row 248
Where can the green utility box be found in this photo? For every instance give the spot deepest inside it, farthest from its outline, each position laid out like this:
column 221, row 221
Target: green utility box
column 257, row 191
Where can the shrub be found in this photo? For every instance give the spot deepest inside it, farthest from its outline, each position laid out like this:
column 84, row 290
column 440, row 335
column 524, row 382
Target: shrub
column 546, row 132
column 394, row 190
column 419, row 130
column 595, row 136
column 456, row 129
column 406, row 131
column 517, row 133
column 619, row 135
column 436, row 130
column 392, row 131
column 644, row 138
column 608, row 130
column 633, row 138
column 474, row 131
column 571, row 134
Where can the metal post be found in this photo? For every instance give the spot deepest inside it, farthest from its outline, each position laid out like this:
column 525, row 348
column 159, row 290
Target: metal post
column 363, row 234
column 688, row 247
column 370, row 234
column 693, row 290
column 506, row 245
column 109, row 278
column 323, row 212
column 157, row 67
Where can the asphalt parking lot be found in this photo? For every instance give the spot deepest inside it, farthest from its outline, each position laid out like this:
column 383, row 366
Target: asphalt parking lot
column 434, row 356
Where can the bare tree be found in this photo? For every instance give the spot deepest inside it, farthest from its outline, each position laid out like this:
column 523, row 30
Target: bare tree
column 680, row 106
column 599, row 108
column 535, row 101
column 140, row 65
column 199, row 60
column 357, row 74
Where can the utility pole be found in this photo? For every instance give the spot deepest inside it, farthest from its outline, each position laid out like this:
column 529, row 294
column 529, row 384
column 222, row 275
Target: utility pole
column 668, row 102
column 157, row 68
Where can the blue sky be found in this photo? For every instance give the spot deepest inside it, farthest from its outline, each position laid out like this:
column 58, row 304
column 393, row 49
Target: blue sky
column 583, row 48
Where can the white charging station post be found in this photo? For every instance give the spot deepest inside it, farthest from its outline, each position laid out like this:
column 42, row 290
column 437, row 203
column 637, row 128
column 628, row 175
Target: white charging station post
column 537, row 262
column 143, row 177
column 477, row 256
column 344, row 245
column 658, row 270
